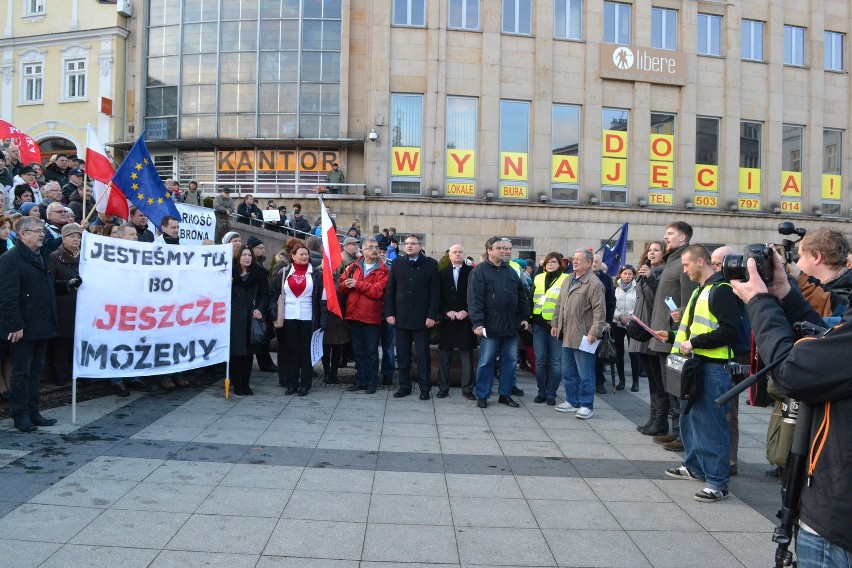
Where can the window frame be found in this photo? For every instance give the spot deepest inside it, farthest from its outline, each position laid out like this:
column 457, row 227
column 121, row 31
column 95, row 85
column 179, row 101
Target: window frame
column 464, row 13
column 797, row 46
column 34, row 8
column 560, row 191
column 836, row 51
column 516, row 30
column 753, row 25
column 618, row 6
column 34, row 78
column 707, row 30
column 409, row 15
column 405, row 179
column 69, row 75
column 568, row 4
column 665, row 14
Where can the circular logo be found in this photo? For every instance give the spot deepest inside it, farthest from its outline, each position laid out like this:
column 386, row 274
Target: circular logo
column 623, row 58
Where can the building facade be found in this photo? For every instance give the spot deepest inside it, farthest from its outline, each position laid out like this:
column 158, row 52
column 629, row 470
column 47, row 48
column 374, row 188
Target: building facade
column 63, row 67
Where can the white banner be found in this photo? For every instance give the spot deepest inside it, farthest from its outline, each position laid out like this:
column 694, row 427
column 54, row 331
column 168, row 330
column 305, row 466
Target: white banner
column 149, row 309
column 197, row 224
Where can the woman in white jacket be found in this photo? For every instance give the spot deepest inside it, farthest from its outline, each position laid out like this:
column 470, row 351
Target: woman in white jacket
column 625, row 301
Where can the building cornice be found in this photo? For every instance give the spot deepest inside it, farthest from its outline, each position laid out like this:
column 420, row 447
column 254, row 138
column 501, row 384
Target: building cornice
column 64, row 38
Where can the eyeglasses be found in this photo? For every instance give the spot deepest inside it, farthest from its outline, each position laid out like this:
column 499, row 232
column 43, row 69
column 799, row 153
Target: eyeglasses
column 33, row 231
column 408, row 244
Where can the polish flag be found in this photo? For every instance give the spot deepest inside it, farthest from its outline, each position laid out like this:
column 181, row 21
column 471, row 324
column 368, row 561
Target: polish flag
column 331, row 259
column 99, row 168
column 29, row 149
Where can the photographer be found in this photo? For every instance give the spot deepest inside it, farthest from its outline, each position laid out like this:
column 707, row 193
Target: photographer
column 811, row 373
column 821, row 271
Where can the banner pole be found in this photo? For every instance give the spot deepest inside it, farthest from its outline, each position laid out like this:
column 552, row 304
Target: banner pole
column 98, row 202
column 73, row 400
column 227, row 377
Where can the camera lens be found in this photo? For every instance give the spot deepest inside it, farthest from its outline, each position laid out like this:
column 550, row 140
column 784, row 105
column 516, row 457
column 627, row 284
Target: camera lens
column 734, row 267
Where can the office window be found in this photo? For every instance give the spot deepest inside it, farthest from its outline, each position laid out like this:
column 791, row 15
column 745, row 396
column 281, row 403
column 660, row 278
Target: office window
column 409, row 12
column 616, row 23
column 791, row 148
column 565, row 151
column 568, row 19
column 752, row 40
column 406, row 124
column 33, row 83
column 833, row 46
column 464, row 14
column 517, row 17
column 615, row 167
column 709, row 34
column 75, row 79
column 664, row 28
column 462, row 129
column 514, row 149
column 707, row 141
column 33, row 7
column 832, row 145
column 794, row 45
column 750, row 141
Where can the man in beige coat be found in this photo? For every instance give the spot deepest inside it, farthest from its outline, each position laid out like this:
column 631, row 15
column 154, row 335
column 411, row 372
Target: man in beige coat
column 579, row 321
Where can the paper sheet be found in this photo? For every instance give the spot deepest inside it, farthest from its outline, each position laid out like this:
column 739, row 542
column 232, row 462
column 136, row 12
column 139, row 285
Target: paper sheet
column 589, row 347
column 316, row 346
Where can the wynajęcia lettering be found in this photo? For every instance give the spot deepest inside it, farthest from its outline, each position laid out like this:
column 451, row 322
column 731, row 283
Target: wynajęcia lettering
column 158, row 257
column 144, row 356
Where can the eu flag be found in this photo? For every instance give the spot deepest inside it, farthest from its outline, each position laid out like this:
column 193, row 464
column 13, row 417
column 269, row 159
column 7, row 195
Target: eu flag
column 137, row 178
column 615, row 257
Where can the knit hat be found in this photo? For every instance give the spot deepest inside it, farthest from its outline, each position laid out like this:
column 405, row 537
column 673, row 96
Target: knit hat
column 27, row 207
column 229, row 236
column 253, row 242
column 71, row 228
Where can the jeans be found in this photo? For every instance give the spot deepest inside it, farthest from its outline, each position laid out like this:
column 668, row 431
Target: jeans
column 548, row 361
column 489, row 349
column 388, row 350
column 813, row 551
column 578, row 377
column 365, row 339
column 704, row 431
column 27, row 364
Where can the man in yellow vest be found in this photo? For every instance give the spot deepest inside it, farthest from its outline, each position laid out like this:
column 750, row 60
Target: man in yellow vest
column 548, row 349
column 708, row 326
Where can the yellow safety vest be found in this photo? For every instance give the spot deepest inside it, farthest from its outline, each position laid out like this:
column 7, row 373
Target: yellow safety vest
column 544, row 301
column 516, row 267
column 703, row 321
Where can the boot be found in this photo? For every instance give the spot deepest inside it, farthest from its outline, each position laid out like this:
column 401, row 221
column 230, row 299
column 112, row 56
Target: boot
column 331, row 377
column 653, row 416
column 660, row 425
column 635, row 386
column 620, row 385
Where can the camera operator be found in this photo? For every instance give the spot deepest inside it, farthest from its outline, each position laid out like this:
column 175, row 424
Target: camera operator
column 814, row 373
column 821, row 271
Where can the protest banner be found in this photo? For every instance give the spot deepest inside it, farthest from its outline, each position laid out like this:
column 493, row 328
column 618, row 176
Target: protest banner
column 197, row 224
column 149, row 309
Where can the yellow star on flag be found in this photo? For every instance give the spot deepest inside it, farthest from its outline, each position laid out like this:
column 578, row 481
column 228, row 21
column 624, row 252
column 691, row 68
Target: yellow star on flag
column 159, row 200
column 138, row 167
column 168, row 194
column 145, row 160
column 134, row 186
column 134, row 175
column 150, row 201
column 140, row 196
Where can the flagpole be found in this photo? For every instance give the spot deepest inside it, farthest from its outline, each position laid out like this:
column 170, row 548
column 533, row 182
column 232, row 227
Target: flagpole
column 85, row 179
column 606, row 242
column 95, row 208
column 73, row 400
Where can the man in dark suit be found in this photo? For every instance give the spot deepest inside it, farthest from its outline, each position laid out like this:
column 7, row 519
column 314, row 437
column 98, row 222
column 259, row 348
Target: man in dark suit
column 412, row 298
column 455, row 330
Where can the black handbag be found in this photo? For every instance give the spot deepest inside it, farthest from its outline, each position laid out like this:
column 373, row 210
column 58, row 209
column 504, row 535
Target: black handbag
column 606, row 350
column 258, row 328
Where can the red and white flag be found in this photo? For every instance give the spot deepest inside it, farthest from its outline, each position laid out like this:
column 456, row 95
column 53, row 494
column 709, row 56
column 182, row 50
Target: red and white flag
column 99, row 168
column 331, row 259
column 29, row 149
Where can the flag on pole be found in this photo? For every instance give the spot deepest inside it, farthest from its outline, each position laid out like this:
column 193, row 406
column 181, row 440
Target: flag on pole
column 138, row 179
column 615, row 257
column 331, row 259
column 99, row 168
column 30, row 151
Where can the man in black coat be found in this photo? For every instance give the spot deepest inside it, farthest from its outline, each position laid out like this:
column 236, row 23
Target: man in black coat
column 28, row 319
column 249, row 213
column 609, row 300
column 412, row 298
column 455, row 330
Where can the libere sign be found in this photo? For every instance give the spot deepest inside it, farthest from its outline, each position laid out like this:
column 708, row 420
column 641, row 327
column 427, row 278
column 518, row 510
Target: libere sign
column 645, row 64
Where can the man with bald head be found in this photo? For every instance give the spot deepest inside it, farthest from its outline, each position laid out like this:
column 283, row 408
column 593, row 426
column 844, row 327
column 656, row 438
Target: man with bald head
column 56, row 219
column 455, row 330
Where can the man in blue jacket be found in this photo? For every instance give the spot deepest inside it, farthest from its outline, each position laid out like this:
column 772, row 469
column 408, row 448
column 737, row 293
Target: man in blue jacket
column 498, row 307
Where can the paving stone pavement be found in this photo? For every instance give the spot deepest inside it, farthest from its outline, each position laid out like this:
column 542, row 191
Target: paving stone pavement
column 339, row 479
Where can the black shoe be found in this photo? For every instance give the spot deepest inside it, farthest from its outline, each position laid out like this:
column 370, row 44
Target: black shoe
column 517, row 392
column 620, row 385
column 507, row 400
column 424, row 395
column 118, row 389
column 24, row 425
column 401, row 393
column 551, row 402
column 774, row 472
column 482, row 403
column 39, row 420
column 647, row 424
column 387, row 380
column 634, row 387
column 332, row 379
column 657, row 428
column 539, row 399
column 303, row 391
column 442, row 394
column 600, row 389
column 290, row 391
column 139, row 385
column 468, row 395
column 272, row 369
column 355, row 388
column 370, row 390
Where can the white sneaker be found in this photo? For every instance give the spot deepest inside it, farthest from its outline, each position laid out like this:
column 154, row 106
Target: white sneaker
column 584, row 413
column 565, row 407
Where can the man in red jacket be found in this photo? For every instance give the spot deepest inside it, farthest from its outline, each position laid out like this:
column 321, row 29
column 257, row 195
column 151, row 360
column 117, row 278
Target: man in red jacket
column 364, row 283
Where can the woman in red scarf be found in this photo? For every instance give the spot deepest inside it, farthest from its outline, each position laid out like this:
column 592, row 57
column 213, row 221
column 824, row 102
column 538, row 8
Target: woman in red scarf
column 298, row 309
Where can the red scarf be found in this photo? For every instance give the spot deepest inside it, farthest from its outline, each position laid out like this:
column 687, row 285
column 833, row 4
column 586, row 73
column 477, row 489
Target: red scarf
column 298, row 279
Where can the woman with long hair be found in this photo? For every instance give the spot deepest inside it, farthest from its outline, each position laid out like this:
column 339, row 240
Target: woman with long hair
column 625, row 303
column 650, row 267
column 299, row 309
column 249, row 301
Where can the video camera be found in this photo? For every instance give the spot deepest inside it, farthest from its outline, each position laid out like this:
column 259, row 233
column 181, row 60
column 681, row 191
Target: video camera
column 735, row 267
